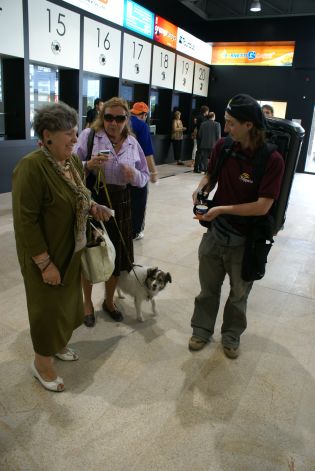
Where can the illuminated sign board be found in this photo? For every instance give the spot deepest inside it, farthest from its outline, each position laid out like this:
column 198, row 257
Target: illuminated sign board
column 136, row 59
column 201, row 80
column 111, row 10
column 184, row 74
column 165, row 32
column 192, row 46
column 263, row 53
column 163, row 67
column 11, row 28
column 54, row 34
column 101, row 48
column 138, row 19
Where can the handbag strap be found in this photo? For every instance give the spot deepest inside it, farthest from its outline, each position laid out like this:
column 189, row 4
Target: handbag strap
column 97, row 229
column 103, row 178
column 90, row 143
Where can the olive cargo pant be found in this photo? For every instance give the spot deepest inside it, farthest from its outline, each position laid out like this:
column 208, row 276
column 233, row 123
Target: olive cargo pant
column 215, row 261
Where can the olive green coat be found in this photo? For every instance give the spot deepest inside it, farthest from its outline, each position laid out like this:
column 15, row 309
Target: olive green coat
column 44, row 219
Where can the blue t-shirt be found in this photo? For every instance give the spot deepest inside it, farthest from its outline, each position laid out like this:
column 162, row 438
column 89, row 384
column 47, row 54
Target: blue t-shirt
column 142, row 132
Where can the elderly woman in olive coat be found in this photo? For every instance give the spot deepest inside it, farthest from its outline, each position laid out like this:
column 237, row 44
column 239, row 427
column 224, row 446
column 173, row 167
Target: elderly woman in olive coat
column 50, row 210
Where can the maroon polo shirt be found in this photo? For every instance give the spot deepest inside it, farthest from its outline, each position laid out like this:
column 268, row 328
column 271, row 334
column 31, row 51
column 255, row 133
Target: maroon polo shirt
column 235, row 182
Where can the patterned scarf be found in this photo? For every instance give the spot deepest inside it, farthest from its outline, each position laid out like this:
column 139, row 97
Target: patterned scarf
column 82, row 200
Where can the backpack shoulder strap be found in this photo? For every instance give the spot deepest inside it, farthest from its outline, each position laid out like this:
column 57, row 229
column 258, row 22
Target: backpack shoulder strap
column 225, row 151
column 260, row 161
column 90, row 142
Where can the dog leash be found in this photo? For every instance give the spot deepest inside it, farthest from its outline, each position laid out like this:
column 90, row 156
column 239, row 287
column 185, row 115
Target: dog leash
column 102, row 179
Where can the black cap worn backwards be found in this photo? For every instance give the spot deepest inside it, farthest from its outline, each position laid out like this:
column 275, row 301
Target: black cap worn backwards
column 245, row 108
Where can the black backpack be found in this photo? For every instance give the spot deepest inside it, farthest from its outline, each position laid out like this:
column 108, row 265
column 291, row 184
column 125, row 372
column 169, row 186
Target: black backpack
column 284, row 136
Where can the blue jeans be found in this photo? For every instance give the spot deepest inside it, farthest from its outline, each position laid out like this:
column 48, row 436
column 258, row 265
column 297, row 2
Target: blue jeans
column 215, row 261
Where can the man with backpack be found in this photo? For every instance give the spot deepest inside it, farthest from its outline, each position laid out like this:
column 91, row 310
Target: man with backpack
column 239, row 200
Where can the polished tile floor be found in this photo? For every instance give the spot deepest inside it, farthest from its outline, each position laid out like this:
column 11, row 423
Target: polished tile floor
column 138, row 399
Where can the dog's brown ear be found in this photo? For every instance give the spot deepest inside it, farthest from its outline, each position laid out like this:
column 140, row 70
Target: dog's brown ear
column 168, row 277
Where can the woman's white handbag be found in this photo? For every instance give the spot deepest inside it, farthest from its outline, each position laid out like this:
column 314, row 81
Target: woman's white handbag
column 98, row 261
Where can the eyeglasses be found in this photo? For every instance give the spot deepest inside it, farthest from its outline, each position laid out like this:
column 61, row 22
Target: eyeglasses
column 120, row 118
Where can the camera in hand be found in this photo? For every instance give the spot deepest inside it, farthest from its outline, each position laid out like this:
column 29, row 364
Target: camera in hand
column 202, row 197
column 203, row 206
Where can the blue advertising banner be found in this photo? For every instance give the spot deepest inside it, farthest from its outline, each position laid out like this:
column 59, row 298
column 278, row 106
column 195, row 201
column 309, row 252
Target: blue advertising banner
column 138, row 19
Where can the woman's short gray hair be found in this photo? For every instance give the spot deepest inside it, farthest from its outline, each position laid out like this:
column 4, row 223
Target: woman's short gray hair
column 54, row 117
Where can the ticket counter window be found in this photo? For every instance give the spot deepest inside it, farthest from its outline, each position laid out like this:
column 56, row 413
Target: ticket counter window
column 175, row 102
column 127, row 92
column 2, row 130
column 44, row 88
column 91, row 91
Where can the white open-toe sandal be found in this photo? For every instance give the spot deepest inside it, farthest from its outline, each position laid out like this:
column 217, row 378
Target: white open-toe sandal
column 69, row 355
column 55, row 385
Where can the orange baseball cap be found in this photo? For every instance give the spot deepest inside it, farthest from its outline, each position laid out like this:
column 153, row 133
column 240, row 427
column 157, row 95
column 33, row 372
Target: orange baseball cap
column 139, row 107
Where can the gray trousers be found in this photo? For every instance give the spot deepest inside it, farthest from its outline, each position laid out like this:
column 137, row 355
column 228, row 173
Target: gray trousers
column 215, row 261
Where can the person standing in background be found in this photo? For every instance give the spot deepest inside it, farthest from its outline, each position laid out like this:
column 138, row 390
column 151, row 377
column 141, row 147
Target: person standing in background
column 194, row 138
column 204, row 111
column 177, row 137
column 139, row 196
column 94, row 112
column 268, row 111
column 209, row 133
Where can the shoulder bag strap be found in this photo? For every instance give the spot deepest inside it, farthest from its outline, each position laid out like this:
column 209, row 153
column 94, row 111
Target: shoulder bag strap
column 90, row 143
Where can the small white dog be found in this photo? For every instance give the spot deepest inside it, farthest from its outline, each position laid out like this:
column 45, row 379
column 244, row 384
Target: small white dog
column 143, row 283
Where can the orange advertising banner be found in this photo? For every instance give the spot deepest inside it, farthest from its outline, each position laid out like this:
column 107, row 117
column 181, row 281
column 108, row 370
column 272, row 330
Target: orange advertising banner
column 165, row 32
column 263, row 53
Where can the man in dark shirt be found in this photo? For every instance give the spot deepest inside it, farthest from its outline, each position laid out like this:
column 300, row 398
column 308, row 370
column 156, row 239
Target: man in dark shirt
column 209, row 133
column 93, row 113
column 222, row 247
column 202, row 116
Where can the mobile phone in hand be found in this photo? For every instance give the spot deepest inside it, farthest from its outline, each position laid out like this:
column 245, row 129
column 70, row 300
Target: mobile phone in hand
column 104, row 152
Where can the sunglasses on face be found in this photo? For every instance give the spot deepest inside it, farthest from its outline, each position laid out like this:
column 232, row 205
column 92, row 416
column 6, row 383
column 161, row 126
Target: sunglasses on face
column 120, row 118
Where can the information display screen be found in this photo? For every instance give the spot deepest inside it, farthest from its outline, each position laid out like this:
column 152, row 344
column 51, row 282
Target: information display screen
column 136, row 59
column 101, row 48
column 184, row 74
column 54, row 34
column 138, row 19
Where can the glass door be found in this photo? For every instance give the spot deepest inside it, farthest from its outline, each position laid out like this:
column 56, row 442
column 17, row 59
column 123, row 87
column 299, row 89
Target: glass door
column 310, row 158
column 44, row 88
column 91, row 91
column 2, row 129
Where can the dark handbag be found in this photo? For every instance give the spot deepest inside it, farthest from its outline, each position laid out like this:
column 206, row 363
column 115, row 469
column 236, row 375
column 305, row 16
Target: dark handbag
column 255, row 259
column 257, row 247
